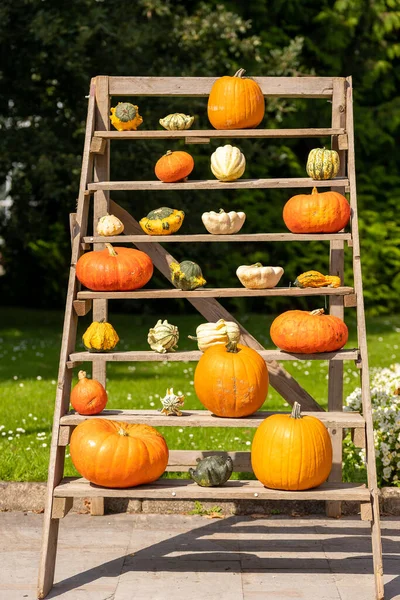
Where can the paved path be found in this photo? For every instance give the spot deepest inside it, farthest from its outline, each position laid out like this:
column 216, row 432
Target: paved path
column 163, row 557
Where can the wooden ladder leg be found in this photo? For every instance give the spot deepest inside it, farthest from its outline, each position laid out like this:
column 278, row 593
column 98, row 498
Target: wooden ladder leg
column 362, row 341
column 335, row 381
column 100, row 208
column 57, row 452
column 336, row 303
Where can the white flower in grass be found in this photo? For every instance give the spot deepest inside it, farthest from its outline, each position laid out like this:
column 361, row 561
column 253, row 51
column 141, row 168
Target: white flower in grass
column 39, row 378
column 387, row 471
column 44, row 445
column 15, row 377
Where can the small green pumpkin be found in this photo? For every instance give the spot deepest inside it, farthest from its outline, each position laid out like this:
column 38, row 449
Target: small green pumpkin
column 187, row 275
column 212, row 471
column 323, row 164
column 177, row 121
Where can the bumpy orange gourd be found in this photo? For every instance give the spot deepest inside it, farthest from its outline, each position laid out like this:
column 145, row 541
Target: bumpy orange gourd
column 327, row 212
column 291, row 452
column 315, row 279
column 304, row 332
column 235, row 103
column 232, row 380
column 88, row 396
column 174, row 166
column 114, row 269
column 118, row 454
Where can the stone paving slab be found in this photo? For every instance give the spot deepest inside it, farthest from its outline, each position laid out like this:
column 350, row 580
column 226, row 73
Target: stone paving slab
column 189, row 557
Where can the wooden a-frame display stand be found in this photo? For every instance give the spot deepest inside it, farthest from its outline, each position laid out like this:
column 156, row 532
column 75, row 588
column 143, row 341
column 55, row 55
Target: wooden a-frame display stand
column 95, row 181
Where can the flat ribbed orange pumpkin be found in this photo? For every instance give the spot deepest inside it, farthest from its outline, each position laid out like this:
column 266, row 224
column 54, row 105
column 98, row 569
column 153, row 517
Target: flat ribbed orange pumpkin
column 174, row 166
column 291, row 452
column 88, row 396
column 114, row 269
column 235, row 103
column 231, row 381
column 117, row 454
column 326, row 212
column 304, row 332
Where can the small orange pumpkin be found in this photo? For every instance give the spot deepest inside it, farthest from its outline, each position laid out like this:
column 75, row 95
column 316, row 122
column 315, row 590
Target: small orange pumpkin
column 235, row 103
column 114, row 269
column 232, row 380
column 291, row 452
column 118, row 454
column 326, row 212
column 174, row 166
column 88, row 396
column 303, row 332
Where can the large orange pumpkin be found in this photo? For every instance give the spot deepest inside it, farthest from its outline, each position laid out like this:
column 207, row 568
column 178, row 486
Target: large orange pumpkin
column 326, row 212
column 88, row 396
column 112, row 269
column 117, row 454
column 303, row 332
column 235, row 103
column 291, row 452
column 231, row 381
column 174, row 166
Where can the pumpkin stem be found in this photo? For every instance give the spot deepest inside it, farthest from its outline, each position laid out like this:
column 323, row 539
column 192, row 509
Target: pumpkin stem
column 314, row 190
column 193, row 337
column 123, row 432
column 221, row 210
column 81, row 375
column 317, row 312
column 258, row 265
column 296, row 414
column 111, row 249
column 168, row 152
column 231, row 346
column 240, row 73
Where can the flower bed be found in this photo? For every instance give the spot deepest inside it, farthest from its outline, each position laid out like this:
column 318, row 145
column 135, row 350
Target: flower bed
column 385, row 398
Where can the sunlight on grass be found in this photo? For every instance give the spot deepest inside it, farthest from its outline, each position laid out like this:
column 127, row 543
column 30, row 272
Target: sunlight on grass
column 29, row 349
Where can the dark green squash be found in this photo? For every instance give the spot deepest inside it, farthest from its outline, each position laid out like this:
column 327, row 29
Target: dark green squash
column 187, row 275
column 212, row 471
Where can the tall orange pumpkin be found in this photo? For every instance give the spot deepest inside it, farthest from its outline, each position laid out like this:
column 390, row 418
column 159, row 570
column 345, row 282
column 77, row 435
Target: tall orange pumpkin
column 326, row 212
column 291, row 452
column 88, row 396
column 117, row 454
column 231, row 381
column 303, row 332
column 116, row 270
column 174, row 166
column 235, row 103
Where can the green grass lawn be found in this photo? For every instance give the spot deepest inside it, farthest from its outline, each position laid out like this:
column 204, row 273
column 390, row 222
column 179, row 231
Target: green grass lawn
column 29, row 351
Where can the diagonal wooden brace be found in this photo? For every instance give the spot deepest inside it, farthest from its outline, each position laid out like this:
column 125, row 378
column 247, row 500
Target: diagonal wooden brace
column 212, row 310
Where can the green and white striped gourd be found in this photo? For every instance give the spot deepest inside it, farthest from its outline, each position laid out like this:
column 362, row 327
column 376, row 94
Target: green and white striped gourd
column 323, row 164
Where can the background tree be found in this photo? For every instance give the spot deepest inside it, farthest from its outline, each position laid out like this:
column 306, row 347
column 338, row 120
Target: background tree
column 51, row 50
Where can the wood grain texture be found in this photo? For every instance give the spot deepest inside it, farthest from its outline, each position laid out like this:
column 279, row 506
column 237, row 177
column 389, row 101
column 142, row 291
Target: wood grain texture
column 195, row 355
column 336, row 305
column 61, row 507
column 212, row 310
column 180, row 489
column 362, row 340
column 214, row 184
column 215, row 293
column 206, row 134
column 101, row 197
column 208, row 237
column 281, row 87
column 204, row 418
column 57, row 453
column 82, row 307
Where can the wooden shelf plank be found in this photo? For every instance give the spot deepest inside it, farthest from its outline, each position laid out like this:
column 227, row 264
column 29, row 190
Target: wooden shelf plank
column 208, row 237
column 204, row 418
column 272, row 87
column 213, row 133
column 214, row 184
column 195, row 355
column 184, row 489
column 215, row 293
